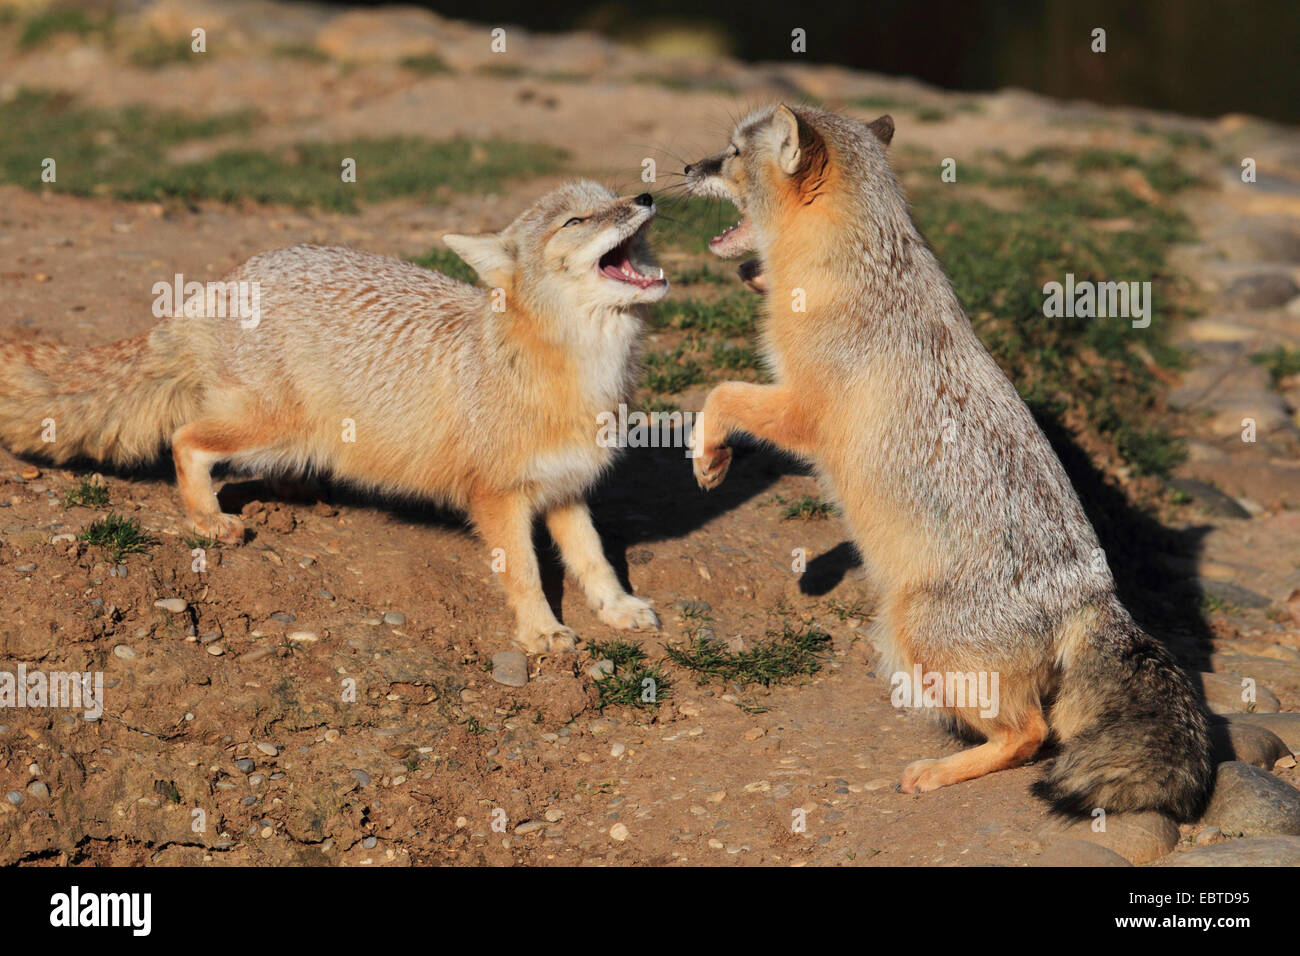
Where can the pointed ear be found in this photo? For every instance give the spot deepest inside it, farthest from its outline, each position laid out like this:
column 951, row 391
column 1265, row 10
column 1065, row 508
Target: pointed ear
column 883, row 128
column 492, row 257
column 783, row 133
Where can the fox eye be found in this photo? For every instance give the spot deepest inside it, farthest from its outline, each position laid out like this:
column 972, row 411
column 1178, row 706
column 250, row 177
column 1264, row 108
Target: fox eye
column 574, row 221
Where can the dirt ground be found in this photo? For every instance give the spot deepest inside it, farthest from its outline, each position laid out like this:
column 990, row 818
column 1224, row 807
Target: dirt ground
column 230, row 735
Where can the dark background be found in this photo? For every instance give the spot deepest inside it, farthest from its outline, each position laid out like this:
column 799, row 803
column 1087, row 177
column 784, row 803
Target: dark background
column 1200, row 57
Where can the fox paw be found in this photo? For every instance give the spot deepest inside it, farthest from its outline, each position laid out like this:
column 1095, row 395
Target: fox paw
column 628, row 613
column 711, row 466
column 225, row 528
column 554, row 639
column 923, row 776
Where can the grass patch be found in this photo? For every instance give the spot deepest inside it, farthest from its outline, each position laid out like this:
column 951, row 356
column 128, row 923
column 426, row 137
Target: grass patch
column 670, row 373
column 118, row 537
column 86, row 494
column 159, row 51
column 44, row 26
column 1281, row 363
column 300, row 51
column 778, row 659
column 195, row 541
column 732, row 316
column 807, row 508
column 427, row 64
column 121, row 153
column 735, row 357
column 635, row 682
column 447, row 262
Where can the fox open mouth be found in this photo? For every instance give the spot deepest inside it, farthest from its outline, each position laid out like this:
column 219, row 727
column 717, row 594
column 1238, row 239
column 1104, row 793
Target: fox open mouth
column 617, row 264
column 733, row 241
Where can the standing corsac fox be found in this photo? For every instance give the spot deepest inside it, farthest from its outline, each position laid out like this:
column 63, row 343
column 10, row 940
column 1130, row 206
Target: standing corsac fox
column 394, row 378
column 964, row 516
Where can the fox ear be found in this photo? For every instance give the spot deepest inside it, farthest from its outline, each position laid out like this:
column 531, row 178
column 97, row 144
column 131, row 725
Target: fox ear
column 489, row 255
column 784, row 133
column 883, row 128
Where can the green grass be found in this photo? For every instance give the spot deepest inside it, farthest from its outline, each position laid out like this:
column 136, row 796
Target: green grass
column 122, row 153
column 670, row 373
column 118, row 536
column 734, row 315
column 193, row 540
column 689, row 222
column 427, row 64
column 627, row 686
column 447, row 262
column 44, row 26
column 300, row 51
column 159, row 51
column 86, row 494
column 735, row 357
column 1281, row 363
column 777, row 659
column 807, row 508
column 999, row 259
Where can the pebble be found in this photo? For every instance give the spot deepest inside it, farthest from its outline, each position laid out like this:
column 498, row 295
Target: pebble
column 244, row 765
column 257, row 654
column 618, row 832
column 38, row 789
column 172, row 605
column 268, row 749
column 1252, row 851
column 363, row 778
column 1261, row 291
column 510, row 668
column 15, row 797
column 25, row 568
column 124, row 652
column 530, row 826
column 1248, row 801
column 617, row 750
column 370, row 842
column 601, row 669
column 327, row 595
column 1286, row 726
column 554, row 814
column 395, row 618
column 304, row 637
column 216, row 650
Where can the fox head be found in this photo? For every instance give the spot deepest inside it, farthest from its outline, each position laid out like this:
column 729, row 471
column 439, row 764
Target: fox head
column 785, row 165
column 577, row 249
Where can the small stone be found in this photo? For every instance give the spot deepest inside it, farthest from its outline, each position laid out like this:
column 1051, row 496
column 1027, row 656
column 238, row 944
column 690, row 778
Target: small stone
column 370, row 842
column 268, row 749
column 39, row 790
column 1248, row 801
column 1286, row 726
column 124, row 652
column 15, row 797
column 618, row 832
column 601, row 669
column 216, row 650
column 554, row 815
column 510, row 668
column 284, row 617
column 25, row 568
column 30, row 473
column 1261, row 291
column 1209, row 836
column 754, row 733
column 332, row 736
column 256, row 654
column 1214, row 501
column 172, row 605
column 531, row 826
column 1247, row 743
column 363, row 778
column 395, row 618
column 304, row 637
column 1234, row 594
column 244, row 765
column 617, row 750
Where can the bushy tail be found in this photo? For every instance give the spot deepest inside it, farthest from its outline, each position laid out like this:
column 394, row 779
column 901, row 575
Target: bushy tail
column 116, row 403
column 1133, row 731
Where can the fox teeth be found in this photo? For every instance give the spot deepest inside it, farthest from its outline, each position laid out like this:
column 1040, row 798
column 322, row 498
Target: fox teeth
column 661, row 274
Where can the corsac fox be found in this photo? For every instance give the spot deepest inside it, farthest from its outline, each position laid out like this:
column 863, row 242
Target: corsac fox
column 963, row 514
column 391, row 377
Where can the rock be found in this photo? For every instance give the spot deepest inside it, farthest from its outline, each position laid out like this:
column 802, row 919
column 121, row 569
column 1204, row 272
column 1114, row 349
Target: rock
column 1224, row 692
column 531, row 826
column 618, row 832
column 395, row 618
column 39, row 790
column 363, row 778
column 14, row 797
column 269, row 749
column 510, row 668
column 1137, row 837
column 1286, row 726
column 25, row 568
column 1078, row 853
column 124, row 652
column 1253, row 851
column 1214, row 501
column 244, row 765
column 1263, row 290
column 1209, row 836
column 172, row 605
column 304, row 637
column 1246, row 743
column 601, row 669
column 1233, row 594
column 617, row 750
column 284, row 617
column 1248, row 801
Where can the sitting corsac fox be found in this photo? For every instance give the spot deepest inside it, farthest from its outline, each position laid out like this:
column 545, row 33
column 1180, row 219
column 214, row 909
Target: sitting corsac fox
column 393, row 378
column 961, row 510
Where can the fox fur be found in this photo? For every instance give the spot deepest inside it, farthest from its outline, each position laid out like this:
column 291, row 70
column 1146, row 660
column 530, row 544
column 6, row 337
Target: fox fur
column 962, row 512
column 483, row 399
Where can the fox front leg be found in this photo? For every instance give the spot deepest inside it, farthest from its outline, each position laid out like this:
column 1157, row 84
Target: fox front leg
column 570, row 525
column 765, row 411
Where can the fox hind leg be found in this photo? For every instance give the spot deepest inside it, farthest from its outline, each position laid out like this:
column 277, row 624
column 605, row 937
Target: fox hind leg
column 198, row 446
column 1007, row 746
column 571, row 528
